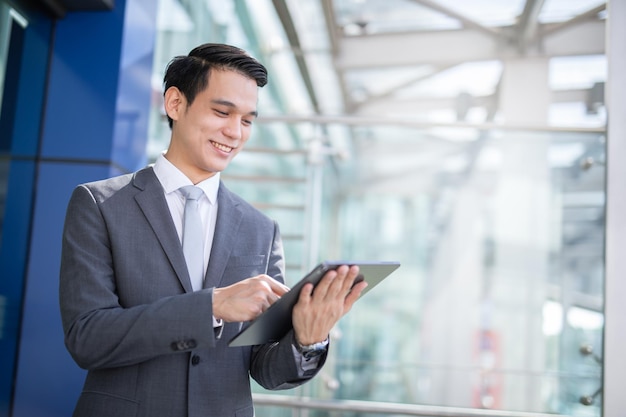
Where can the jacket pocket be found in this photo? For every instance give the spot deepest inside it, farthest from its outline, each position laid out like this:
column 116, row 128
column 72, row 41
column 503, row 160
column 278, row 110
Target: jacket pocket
column 245, row 261
column 241, row 267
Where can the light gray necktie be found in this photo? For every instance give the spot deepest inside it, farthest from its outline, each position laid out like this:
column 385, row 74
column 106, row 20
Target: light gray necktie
column 193, row 236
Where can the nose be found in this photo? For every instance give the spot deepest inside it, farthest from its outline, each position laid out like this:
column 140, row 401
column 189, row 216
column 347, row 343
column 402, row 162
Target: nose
column 232, row 129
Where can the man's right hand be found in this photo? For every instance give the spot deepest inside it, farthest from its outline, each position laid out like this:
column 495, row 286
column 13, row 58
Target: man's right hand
column 247, row 299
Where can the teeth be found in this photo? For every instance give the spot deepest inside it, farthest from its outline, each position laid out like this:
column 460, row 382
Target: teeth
column 221, row 147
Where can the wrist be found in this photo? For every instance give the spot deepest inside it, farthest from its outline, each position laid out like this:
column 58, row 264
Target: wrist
column 215, row 306
column 312, row 350
column 309, row 340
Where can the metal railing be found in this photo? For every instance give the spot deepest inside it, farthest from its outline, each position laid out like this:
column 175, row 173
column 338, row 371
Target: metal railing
column 386, row 408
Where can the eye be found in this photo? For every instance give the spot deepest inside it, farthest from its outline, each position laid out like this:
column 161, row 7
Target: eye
column 246, row 122
column 221, row 113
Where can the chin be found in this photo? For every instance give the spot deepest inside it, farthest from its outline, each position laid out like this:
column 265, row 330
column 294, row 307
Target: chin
column 214, row 169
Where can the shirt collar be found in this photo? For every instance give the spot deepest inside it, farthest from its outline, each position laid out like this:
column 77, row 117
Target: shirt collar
column 172, row 178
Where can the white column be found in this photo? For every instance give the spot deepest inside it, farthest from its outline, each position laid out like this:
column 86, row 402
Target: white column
column 525, row 92
column 614, row 400
column 522, row 226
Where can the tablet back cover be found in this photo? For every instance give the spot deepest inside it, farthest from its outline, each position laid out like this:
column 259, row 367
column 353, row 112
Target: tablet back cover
column 275, row 322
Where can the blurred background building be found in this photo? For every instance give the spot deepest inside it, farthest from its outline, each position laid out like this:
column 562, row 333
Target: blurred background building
column 466, row 139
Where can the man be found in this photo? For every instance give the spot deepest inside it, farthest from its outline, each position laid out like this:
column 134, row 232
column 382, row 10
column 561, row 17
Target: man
column 152, row 336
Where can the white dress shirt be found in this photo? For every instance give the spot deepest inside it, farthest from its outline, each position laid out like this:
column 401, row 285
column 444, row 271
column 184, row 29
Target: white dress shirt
column 171, row 178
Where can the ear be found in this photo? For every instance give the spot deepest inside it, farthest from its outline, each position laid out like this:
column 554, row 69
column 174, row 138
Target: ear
column 174, row 102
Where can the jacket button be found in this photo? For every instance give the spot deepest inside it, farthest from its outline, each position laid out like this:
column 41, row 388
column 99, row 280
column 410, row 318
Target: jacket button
column 195, row 359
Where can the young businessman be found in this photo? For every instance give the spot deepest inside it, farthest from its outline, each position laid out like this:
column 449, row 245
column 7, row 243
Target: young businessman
column 153, row 333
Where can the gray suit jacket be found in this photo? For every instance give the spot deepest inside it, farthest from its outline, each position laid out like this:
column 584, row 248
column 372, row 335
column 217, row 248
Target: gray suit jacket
column 131, row 318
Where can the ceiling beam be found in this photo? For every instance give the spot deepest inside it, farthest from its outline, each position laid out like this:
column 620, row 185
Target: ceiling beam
column 330, row 19
column 382, row 96
column 465, row 45
column 528, row 22
column 294, row 41
column 334, row 37
column 466, row 21
column 410, row 122
column 416, row 105
column 589, row 14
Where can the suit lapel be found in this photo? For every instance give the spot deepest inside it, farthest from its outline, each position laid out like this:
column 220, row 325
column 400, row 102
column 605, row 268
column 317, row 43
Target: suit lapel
column 229, row 216
column 152, row 202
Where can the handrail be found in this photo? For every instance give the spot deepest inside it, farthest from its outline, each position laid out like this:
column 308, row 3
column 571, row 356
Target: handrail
column 406, row 122
column 386, row 408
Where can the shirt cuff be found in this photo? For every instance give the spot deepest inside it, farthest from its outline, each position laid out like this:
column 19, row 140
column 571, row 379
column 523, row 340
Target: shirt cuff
column 218, row 327
column 303, row 364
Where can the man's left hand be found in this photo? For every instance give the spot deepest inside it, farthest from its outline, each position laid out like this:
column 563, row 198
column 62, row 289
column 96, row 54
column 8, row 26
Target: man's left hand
column 318, row 311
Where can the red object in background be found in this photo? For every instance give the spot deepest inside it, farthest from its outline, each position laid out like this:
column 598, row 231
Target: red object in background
column 487, row 392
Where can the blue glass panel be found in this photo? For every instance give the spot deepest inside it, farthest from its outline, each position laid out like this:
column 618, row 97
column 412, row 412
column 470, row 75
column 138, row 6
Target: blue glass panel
column 48, row 381
column 20, row 125
column 135, row 88
column 13, row 255
column 83, row 85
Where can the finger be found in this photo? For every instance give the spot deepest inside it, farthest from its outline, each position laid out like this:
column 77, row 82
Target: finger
column 344, row 280
column 272, row 298
column 266, row 302
column 349, row 280
column 306, row 293
column 276, row 287
column 354, row 295
column 322, row 287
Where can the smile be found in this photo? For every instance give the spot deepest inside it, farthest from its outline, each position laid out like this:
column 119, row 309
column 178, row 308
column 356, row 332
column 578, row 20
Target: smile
column 221, row 147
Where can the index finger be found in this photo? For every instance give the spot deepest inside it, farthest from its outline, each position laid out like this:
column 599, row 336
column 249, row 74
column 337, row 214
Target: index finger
column 276, row 286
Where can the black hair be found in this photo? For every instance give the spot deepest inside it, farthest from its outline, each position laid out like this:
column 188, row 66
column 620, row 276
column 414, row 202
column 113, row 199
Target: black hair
column 190, row 73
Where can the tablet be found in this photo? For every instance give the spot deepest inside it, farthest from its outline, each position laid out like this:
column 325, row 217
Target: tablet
column 275, row 322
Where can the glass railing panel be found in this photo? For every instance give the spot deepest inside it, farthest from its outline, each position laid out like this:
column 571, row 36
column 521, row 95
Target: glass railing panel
column 500, row 238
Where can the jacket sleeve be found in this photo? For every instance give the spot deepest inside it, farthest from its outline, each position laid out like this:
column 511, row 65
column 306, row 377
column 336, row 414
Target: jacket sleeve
column 284, row 373
column 274, row 366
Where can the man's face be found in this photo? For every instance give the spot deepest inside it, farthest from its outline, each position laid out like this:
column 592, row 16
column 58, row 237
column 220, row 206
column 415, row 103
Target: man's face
column 207, row 134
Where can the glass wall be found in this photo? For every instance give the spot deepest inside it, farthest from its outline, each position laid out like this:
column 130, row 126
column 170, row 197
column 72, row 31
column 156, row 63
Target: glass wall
column 498, row 302
column 24, row 36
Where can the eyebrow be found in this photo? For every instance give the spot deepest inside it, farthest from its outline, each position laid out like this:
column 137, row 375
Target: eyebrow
column 230, row 104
